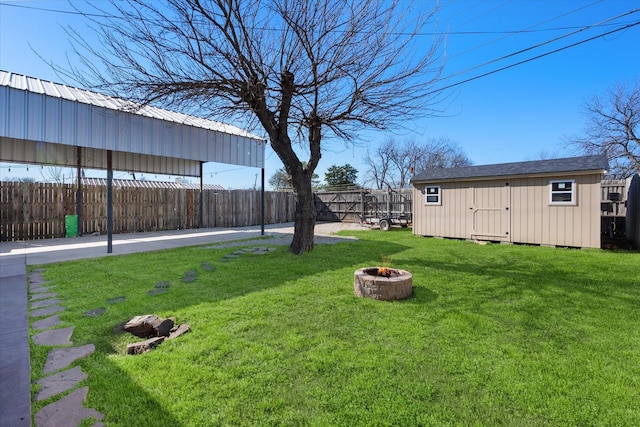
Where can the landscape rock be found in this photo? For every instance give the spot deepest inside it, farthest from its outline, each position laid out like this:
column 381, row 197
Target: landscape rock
column 179, row 330
column 144, row 346
column 149, row 325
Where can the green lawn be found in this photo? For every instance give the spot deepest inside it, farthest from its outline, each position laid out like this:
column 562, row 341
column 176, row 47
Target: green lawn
column 494, row 335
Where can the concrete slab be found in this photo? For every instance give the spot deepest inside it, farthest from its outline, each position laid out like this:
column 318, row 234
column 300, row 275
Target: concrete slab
column 47, row 311
column 44, row 303
column 15, row 367
column 60, row 358
column 47, row 323
column 60, row 382
column 54, row 337
column 68, row 411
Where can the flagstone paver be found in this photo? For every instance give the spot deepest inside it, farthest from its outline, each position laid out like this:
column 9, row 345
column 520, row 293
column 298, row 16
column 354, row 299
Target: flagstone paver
column 41, row 289
column 60, row 382
column 60, row 358
column 44, row 295
column 44, row 303
column 47, row 311
column 68, row 411
column 46, row 323
column 95, row 312
column 54, row 337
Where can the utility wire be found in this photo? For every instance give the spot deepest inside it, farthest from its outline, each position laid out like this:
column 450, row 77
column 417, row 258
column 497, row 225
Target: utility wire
column 528, row 29
column 533, row 58
column 545, row 43
column 462, row 33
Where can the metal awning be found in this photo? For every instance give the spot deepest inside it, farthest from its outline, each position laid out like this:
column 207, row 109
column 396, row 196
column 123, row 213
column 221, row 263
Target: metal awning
column 42, row 122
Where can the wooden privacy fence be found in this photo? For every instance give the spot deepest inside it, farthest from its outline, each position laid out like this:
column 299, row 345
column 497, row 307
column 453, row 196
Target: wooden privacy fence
column 357, row 205
column 31, row 211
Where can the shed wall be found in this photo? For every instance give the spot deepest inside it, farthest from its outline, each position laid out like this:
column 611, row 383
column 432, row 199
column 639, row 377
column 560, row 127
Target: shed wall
column 515, row 210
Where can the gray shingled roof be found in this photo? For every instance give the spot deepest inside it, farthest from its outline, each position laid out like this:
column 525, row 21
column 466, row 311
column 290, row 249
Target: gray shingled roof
column 571, row 164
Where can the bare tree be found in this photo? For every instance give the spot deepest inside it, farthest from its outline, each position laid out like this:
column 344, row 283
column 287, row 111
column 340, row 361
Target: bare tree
column 379, row 166
column 405, row 157
column 395, row 161
column 53, row 174
column 442, row 153
column 612, row 129
column 302, row 70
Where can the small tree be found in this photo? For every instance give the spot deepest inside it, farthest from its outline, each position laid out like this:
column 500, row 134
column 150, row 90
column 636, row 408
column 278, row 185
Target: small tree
column 302, row 70
column 612, row 129
column 341, row 178
column 280, row 180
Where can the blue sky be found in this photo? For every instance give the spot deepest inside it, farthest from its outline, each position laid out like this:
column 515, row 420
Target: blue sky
column 512, row 115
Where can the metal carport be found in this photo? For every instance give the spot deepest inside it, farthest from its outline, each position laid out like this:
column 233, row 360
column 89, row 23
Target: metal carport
column 48, row 123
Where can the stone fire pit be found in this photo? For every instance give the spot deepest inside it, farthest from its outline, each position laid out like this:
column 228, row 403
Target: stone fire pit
column 382, row 283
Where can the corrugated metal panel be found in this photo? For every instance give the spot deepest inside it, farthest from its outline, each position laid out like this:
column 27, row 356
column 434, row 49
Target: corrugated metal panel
column 150, row 184
column 49, row 112
column 34, row 152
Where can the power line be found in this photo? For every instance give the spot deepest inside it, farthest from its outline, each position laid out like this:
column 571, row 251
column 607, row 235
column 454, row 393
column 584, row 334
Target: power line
column 422, row 33
column 545, row 42
column 533, row 58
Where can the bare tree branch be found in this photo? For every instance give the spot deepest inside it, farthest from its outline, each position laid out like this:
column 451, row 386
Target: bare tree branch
column 612, row 129
column 301, row 71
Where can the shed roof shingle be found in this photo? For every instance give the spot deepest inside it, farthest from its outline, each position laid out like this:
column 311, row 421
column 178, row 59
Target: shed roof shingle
column 536, row 167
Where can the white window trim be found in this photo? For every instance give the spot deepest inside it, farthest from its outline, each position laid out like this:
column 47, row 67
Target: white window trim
column 573, row 192
column 426, row 195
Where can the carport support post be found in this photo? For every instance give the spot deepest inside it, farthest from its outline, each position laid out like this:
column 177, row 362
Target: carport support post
column 109, row 201
column 201, row 210
column 262, row 204
column 79, row 190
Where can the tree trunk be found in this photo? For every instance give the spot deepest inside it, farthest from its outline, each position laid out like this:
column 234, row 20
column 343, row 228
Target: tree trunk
column 305, row 218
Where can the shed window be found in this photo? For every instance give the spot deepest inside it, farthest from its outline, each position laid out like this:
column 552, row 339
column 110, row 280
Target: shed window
column 432, row 195
column 562, row 192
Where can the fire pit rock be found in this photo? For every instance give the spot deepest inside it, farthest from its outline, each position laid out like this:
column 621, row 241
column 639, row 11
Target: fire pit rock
column 382, row 283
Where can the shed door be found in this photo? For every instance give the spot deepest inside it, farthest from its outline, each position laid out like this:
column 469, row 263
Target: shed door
column 489, row 211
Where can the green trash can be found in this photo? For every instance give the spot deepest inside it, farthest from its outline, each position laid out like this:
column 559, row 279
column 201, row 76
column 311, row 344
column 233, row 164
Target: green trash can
column 71, row 225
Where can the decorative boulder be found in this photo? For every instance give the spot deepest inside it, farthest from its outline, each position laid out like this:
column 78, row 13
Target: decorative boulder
column 144, row 346
column 149, row 325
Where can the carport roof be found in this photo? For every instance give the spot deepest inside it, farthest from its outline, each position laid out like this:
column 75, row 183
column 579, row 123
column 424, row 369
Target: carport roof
column 42, row 122
column 584, row 164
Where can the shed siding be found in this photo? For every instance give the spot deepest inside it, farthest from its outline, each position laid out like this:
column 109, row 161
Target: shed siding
column 534, row 220
column 519, row 212
column 446, row 220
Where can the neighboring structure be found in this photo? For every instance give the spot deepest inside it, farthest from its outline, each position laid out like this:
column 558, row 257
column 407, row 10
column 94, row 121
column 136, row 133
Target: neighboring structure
column 548, row 202
column 633, row 210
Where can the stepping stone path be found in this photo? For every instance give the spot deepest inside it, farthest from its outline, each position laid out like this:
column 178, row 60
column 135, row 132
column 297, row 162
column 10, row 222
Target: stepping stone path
column 258, row 250
column 190, row 276
column 95, row 312
column 68, row 410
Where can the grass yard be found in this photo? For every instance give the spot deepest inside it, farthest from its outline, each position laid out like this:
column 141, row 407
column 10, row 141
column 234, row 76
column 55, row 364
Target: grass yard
column 493, row 335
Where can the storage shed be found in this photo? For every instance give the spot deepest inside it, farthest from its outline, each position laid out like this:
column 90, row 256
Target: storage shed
column 548, row 202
